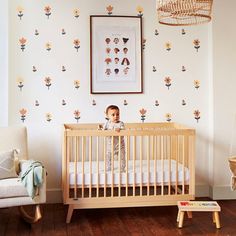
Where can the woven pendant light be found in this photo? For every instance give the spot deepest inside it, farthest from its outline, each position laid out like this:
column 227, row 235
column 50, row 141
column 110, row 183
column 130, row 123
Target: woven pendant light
column 184, row 12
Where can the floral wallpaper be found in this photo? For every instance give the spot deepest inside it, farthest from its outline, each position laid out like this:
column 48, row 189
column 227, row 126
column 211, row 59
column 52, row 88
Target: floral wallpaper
column 51, row 68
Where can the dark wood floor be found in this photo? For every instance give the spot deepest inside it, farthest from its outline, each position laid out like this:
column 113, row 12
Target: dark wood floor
column 123, row 221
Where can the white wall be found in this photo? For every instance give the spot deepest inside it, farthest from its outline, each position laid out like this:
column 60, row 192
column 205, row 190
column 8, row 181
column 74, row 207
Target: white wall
column 44, row 136
column 224, row 84
column 4, row 63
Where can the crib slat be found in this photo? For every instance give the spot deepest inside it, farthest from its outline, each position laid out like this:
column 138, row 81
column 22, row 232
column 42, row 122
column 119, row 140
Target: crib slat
column 162, row 164
column 112, row 166
column 140, row 167
column 119, row 161
column 97, row 159
column 68, row 159
column 169, row 163
column 127, row 151
column 183, row 153
column 148, row 165
column 90, row 166
column 134, row 155
column 75, row 166
column 83, row 146
column 104, row 163
column 155, row 165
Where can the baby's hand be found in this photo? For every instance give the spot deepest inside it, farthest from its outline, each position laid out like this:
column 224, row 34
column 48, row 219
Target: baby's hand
column 117, row 129
column 99, row 127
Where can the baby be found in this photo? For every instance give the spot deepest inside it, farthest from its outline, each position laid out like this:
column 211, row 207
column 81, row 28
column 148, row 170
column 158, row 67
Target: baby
column 114, row 123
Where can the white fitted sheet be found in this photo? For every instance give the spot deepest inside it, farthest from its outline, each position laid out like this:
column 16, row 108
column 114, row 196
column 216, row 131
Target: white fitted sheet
column 167, row 171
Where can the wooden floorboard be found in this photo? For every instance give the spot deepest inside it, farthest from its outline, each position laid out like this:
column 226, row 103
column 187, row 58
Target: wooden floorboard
column 137, row 221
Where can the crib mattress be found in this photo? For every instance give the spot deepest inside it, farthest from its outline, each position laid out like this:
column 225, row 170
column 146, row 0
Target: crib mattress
column 167, row 172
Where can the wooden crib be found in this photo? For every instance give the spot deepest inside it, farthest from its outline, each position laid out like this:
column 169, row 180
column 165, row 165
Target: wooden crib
column 160, row 167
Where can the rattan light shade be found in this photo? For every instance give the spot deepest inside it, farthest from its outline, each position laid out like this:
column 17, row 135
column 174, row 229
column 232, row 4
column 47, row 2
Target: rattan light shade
column 184, row 12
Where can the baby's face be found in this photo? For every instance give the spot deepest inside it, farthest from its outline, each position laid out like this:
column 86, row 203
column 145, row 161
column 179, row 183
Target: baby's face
column 113, row 115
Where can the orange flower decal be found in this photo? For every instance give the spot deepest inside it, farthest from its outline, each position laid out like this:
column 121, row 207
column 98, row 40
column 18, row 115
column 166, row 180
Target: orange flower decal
column 168, row 117
column 167, row 82
column 76, row 13
column 20, row 11
column 22, row 43
column 23, row 112
column 196, row 44
column 77, row 115
column 143, row 114
column 196, row 114
column 139, row 9
column 47, row 10
column 48, row 81
column 109, row 9
column 77, row 44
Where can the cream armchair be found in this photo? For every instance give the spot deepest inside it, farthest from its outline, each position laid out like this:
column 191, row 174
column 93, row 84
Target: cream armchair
column 12, row 191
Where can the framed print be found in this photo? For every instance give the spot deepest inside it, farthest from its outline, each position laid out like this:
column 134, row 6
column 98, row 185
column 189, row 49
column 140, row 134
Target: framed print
column 115, row 54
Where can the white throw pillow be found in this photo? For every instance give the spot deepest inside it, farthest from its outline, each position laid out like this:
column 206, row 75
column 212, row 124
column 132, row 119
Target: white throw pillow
column 8, row 162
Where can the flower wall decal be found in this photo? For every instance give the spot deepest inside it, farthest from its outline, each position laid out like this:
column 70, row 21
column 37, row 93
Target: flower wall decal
column 22, row 43
column 196, row 84
column 125, row 102
column 167, row 82
column 34, row 69
column 77, row 44
column 20, row 11
column 48, row 81
column 47, row 10
column 139, row 9
column 196, row 44
column 156, row 32
column 156, row 103
column 23, row 112
column 94, row 103
column 48, row 116
column 76, row 12
column 196, row 114
column 168, row 117
column 63, row 32
column 76, row 84
column 77, row 115
column 36, row 103
column 109, row 9
column 63, row 102
column 20, row 83
column 63, row 68
column 48, row 46
column 168, row 46
column 36, row 32
column 143, row 114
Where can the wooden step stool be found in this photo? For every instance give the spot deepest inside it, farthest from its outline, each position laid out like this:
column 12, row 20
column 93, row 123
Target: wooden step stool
column 190, row 206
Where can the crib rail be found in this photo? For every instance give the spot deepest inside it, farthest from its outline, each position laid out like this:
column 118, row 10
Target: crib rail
column 159, row 165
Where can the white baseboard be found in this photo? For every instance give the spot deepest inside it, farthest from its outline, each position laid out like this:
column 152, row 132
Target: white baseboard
column 222, row 193
column 215, row 192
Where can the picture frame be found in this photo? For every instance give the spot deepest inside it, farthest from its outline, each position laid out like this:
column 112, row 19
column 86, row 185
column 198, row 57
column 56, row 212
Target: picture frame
column 116, row 54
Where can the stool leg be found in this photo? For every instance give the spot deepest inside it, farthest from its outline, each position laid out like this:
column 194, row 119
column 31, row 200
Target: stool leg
column 190, row 215
column 181, row 219
column 178, row 216
column 217, row 219
column 213, row 217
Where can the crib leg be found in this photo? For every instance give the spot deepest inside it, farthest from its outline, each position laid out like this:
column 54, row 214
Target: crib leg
column 69, row 213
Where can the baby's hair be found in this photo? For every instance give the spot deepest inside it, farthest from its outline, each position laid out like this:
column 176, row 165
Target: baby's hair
column 112, row 107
